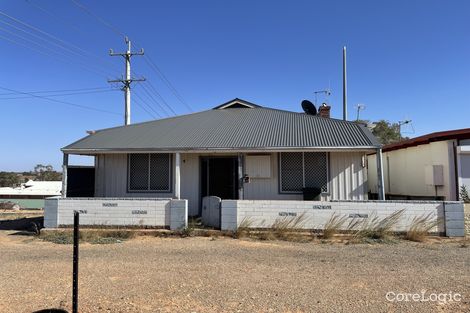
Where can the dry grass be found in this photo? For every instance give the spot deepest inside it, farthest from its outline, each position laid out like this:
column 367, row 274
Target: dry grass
column 90, row 236
column 375, row 228
column 421, row 226
column 288, row 228
column 243, row 230
column 333, row 225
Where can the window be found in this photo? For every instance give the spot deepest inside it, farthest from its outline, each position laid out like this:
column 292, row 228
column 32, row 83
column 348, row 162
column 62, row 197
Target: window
column 300, row 170
column 150, row 172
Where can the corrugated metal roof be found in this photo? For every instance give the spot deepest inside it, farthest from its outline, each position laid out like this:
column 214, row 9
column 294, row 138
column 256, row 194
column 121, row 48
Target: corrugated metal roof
column 231, row 128
column 432, row 137
column 34, row 188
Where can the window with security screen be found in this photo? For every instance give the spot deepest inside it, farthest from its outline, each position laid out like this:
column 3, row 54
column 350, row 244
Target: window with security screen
column 300, row 170
column 150, row 172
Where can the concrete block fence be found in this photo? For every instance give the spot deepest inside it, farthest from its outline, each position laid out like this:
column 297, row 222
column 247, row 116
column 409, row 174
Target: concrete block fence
column 145, row 212
column 263, row 213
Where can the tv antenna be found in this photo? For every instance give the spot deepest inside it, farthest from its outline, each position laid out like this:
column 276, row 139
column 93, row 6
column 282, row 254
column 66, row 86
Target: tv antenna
column 359, row 108
column 404, row 122
column 326, row 92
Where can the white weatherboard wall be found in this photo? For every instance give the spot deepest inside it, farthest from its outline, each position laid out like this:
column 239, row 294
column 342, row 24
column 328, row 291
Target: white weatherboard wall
column 347, row 178
column 111, row 178
column 144, row 212
column 263, row 213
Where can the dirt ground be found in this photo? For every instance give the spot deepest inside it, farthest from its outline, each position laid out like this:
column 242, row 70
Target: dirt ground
column 149, row 274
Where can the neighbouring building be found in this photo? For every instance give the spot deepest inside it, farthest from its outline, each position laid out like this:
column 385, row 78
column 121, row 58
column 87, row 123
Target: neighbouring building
column 31, row 194
column 433, row 166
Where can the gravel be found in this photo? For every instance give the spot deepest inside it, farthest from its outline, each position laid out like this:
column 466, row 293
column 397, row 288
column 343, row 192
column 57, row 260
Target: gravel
column 199, row 274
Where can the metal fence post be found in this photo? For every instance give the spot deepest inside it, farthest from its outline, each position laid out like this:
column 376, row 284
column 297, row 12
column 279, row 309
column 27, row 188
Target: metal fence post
column 76, row 219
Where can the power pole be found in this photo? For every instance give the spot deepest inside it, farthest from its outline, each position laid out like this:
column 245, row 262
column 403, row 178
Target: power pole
column 126, row 82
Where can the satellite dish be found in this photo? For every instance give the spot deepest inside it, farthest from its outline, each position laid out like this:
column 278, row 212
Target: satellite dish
column 309, row 107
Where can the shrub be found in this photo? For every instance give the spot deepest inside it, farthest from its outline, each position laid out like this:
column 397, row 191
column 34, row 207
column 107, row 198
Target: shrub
column 464, row 194
column 91, row 236
column 59, row 237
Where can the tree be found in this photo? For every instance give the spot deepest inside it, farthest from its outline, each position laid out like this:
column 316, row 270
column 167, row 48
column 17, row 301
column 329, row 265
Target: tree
column 46, row 172
column 385, row 131
column 9, row 179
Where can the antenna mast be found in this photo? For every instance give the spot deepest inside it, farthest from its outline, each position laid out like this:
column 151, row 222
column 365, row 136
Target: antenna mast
column 345, row 100
column 359, row 107
column 400, row 124
column 127, row 80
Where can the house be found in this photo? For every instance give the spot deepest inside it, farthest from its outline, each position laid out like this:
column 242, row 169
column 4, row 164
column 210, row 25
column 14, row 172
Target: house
column 31, row 194
column 433, row 166
column 238, row 161
column 237, row 150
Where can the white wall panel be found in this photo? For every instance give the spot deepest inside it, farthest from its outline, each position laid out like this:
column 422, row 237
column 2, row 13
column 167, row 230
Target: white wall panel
column 348, row 179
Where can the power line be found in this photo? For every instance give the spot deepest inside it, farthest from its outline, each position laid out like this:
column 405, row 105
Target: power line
column 147, row 58
column 102, row 21
column 86, row 66
column 59, row 90
column 59, row 101
column 48, row 41
column 72, row 26
column 65, row 21
column 143, row 108
column 64, row 43
column 148, row 105
column 163, row 100
column 162, row 109
column 51, row 38
column 62, row 94
column 46, row 54
column 167, row 82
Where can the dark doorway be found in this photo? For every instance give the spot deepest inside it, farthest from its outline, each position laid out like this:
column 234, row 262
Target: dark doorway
column 219, row 177
column 81, row 181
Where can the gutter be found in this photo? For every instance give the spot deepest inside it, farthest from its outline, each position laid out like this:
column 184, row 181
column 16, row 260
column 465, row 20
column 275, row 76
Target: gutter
column 218, row 150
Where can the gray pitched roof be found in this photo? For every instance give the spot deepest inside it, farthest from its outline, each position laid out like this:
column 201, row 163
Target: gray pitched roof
column 235, row 127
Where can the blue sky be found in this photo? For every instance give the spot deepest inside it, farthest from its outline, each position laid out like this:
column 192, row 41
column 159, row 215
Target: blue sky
column 406, row 59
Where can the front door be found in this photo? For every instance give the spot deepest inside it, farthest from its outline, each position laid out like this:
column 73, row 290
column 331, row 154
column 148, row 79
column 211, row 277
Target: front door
column 219, row 177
